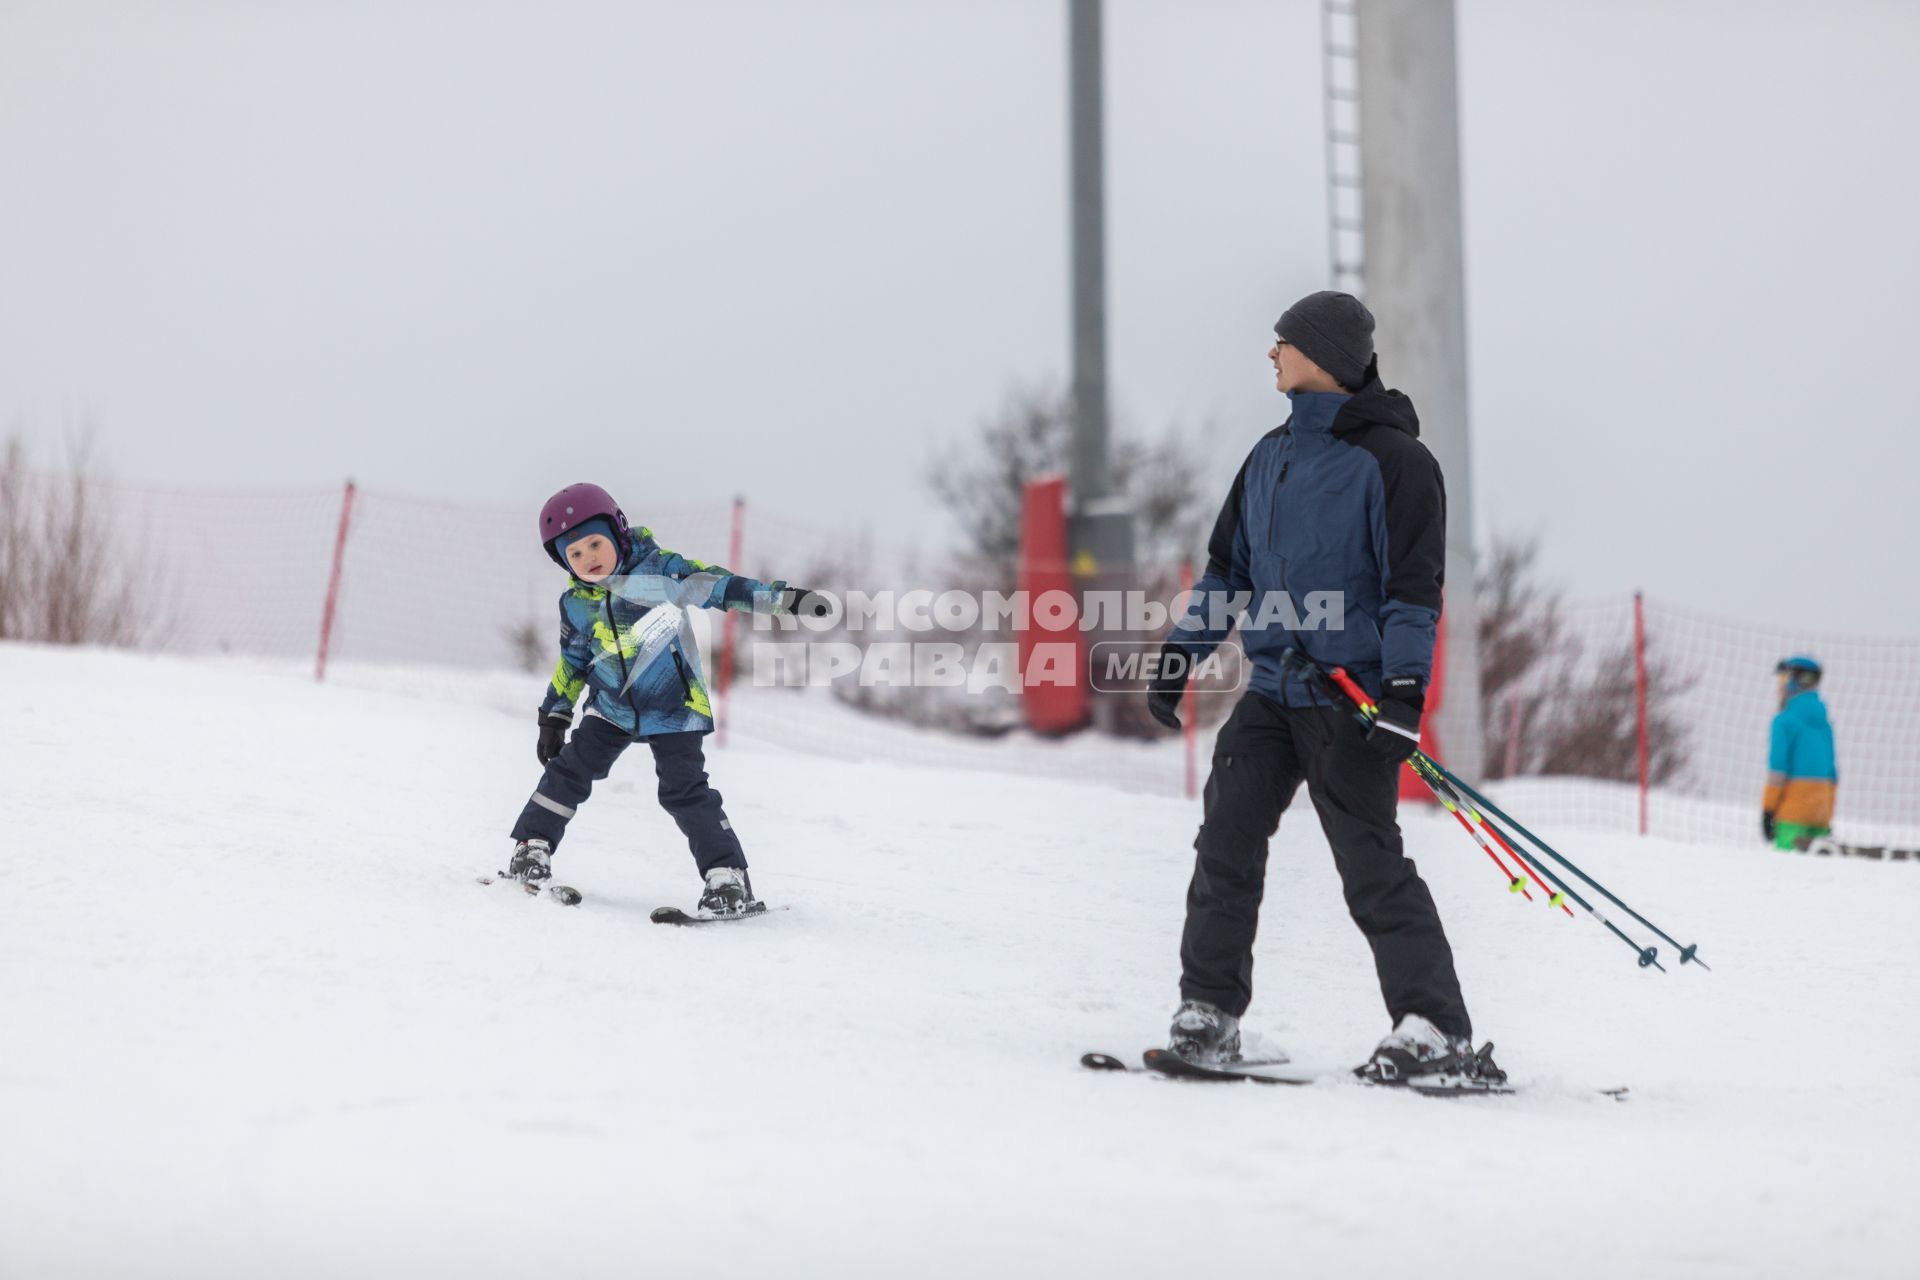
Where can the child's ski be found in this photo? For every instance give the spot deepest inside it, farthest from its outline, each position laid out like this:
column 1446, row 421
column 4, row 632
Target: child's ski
column 564, row 894
column 674, row 915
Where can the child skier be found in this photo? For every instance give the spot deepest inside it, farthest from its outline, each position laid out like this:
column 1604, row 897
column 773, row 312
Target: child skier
column 624, row 640
column 1797, row 806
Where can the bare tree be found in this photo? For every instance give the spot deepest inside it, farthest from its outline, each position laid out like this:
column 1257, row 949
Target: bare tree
column 983, row 482
column 19, row 546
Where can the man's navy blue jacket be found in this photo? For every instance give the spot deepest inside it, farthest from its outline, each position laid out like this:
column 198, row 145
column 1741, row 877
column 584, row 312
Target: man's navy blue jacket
column 1340, row 498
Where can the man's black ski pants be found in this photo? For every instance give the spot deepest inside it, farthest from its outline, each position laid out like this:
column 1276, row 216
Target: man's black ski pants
column 1263, row 753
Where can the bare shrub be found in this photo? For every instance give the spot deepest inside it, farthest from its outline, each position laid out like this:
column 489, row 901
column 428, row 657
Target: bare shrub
column 1547, row 706
column 67, row 576
column 531, row 645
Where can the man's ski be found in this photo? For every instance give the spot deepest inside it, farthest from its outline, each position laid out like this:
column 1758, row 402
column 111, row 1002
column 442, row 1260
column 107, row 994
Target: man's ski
column 1162, row 1062
column 564, row 894
column 1168, row 1063
column 1445, row 1086
column 674, row 915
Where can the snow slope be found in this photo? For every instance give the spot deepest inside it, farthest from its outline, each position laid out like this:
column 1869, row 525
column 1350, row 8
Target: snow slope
column 257, row 1019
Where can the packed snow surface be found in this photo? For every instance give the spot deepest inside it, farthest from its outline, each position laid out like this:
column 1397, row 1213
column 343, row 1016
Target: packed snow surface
column 258, row 1019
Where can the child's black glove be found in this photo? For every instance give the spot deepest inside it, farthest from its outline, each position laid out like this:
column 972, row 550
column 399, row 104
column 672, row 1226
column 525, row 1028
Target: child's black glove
column 1395, row 734
column 553, row 736
column 803, row 603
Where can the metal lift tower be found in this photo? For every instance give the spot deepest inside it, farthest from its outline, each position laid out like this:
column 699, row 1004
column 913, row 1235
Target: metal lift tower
column 1393, row 115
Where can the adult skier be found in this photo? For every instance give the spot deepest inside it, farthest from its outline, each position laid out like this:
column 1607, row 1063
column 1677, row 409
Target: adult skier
column 1340, row 507
column 1797, row 806
column 625, row 651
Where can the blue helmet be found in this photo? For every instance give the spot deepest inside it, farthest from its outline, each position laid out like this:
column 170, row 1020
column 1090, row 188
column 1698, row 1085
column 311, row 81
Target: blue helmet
column 1801, row 671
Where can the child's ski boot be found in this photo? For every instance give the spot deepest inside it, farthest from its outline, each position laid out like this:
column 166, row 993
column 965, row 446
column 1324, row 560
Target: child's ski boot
column 532, row 862
column 729, row 892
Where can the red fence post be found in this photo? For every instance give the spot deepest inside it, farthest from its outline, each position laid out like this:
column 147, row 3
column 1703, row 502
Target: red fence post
column 333, row 583
column 1640, row 697
column 1189, row 728
column 726, row 629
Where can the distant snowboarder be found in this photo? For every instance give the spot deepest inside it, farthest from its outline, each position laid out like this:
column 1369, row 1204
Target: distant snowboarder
column 1340, row 505
column 1797, row 807
column 624, row 640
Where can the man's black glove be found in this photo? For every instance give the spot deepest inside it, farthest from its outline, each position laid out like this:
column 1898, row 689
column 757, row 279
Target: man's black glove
column 553, row 736
column 1169, row 685
column 1395, row 734
column 802, row 603
column 1767, row 825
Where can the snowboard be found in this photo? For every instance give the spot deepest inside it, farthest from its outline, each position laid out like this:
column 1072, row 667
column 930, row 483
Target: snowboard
column 674, row 915
column 564, row 894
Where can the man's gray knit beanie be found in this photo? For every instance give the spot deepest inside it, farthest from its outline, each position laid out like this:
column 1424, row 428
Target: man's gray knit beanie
column 1335, row 331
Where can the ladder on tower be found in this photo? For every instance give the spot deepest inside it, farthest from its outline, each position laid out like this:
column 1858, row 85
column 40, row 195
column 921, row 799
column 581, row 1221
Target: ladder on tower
column 1340, row 78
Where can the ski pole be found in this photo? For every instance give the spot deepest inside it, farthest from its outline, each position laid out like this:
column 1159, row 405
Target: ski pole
column 1424, row 768
column 1362, row 704
column 1369, row 710
column 1646, row 955
column 1688, row 954
column 1556, row 891
column 1516, row 883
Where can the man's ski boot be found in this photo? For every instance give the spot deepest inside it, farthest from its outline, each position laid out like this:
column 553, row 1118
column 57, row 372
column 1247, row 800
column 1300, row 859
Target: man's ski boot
column 1204, row 1035
column 1418, row 1053
column 729, row 892
column 532, row 862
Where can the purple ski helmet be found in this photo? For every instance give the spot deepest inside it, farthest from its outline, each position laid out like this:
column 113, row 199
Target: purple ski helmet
column 575, row 503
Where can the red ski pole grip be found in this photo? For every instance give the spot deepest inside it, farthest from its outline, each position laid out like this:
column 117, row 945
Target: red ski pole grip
column 1352, row 690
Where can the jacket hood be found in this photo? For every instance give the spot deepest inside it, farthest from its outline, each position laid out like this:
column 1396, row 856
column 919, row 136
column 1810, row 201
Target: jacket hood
column 1374, row 402
column 1805, row 704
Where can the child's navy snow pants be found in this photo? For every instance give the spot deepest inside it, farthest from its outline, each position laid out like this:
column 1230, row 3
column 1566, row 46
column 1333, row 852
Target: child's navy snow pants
column 679, row 762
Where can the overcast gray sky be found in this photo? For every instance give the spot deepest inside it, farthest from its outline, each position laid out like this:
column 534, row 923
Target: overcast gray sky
column 792, row 249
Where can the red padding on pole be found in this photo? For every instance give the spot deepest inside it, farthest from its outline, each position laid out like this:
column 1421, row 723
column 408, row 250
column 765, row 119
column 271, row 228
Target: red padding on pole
column 1411, row 788
column 1044, row 567
column 333, row 583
